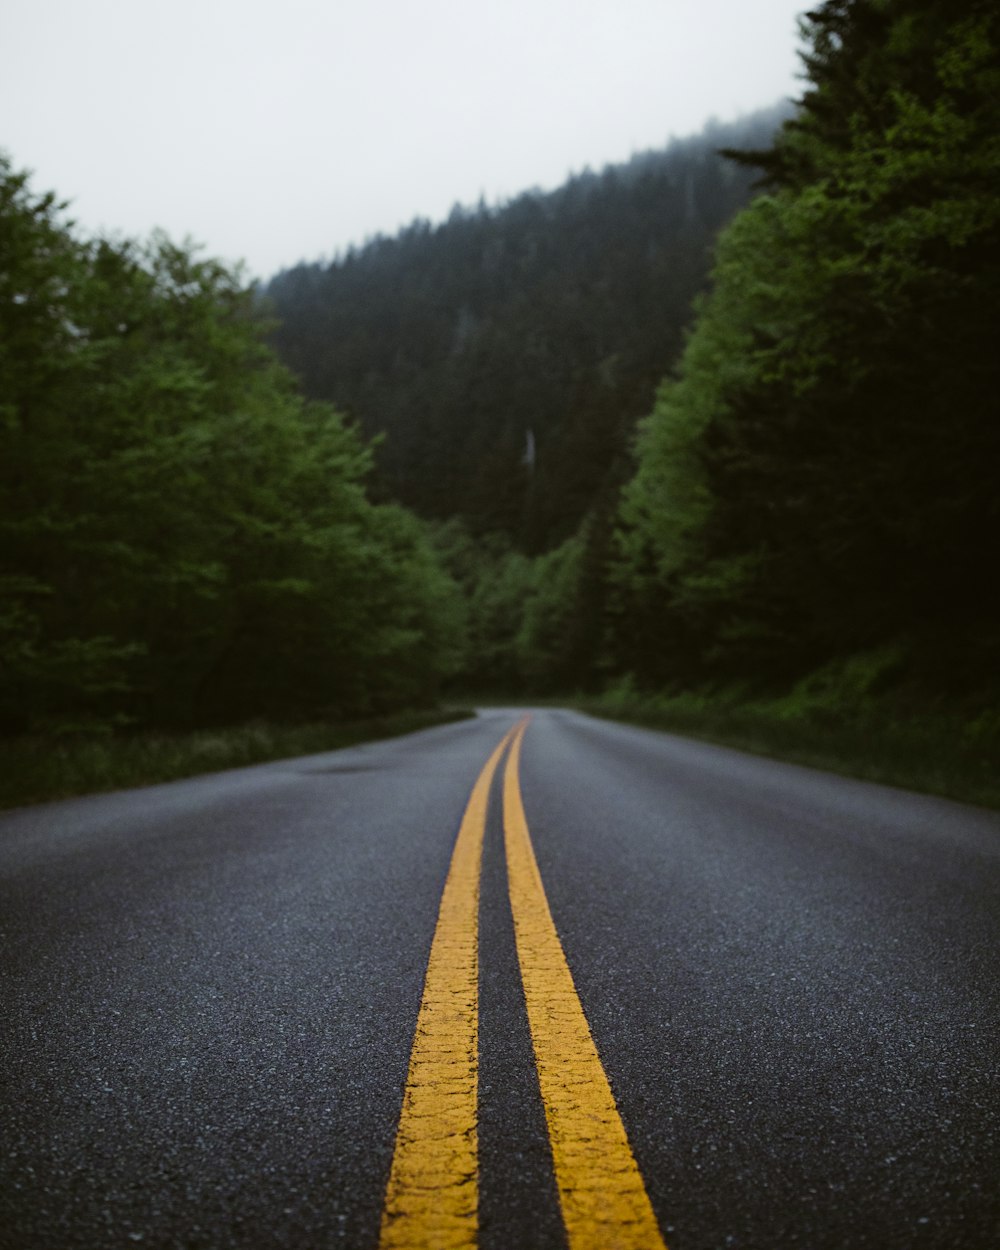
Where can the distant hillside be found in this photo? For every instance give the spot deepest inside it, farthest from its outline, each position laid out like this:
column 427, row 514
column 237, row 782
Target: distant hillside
column 507, row 353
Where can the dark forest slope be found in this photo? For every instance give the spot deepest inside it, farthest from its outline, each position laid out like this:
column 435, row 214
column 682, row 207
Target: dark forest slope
column 507, row 354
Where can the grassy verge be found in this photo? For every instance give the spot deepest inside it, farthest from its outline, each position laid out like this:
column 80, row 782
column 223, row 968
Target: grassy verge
column 936, row 753
column 36, row 769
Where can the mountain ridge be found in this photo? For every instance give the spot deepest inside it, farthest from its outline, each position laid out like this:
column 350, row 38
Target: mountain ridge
column 548, row 320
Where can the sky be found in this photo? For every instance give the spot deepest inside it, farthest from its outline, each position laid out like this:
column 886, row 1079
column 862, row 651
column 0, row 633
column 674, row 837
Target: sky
column 274, row 131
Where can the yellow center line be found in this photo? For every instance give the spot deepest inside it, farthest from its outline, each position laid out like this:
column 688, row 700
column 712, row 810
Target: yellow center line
column 601, row 1192
column 432, row 1197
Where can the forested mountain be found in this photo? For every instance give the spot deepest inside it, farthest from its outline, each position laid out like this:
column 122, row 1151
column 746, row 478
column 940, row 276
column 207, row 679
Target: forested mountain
column 507, row 354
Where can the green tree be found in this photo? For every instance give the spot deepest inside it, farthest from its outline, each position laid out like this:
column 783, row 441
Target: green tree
column 818, row 478
column 184, row 537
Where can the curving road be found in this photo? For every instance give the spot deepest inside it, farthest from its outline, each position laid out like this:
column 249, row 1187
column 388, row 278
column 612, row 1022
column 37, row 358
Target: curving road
column 211, row 990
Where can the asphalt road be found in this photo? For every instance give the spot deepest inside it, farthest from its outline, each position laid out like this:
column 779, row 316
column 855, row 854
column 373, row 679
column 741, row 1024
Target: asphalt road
column 210, row 990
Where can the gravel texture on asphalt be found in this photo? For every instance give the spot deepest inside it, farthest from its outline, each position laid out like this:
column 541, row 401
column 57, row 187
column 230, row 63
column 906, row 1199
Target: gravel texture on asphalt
column 210, row 989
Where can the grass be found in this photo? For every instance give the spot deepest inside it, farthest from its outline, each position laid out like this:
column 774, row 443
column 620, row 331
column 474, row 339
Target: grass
column 935, row 753
column 33, row 770
column 852, row 733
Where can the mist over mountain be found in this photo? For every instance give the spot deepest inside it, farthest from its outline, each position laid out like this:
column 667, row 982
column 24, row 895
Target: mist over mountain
column 507, row 354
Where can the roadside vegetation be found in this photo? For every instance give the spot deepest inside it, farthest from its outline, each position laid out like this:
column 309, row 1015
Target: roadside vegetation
column 185, row 540
column 186, row 544
column 35, row 769
column 937, row 751
column 816, row 483
column 931, row 751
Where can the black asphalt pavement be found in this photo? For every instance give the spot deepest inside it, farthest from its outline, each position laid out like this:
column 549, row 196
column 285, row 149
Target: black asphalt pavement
column 209, row 991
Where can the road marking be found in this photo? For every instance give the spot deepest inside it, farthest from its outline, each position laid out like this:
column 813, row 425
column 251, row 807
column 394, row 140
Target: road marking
column 432, row 1199
column 601, row 1193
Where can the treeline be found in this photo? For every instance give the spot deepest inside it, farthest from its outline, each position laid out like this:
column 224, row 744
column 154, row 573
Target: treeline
column 184, row 539
column 507, row 353
column 816, row 499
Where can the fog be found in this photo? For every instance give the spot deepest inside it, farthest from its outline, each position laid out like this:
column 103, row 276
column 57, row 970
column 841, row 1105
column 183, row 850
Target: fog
column 275, row 132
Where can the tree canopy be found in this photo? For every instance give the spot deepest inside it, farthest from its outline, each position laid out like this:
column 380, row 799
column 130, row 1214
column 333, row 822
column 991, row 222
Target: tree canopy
column 184, row 538
column 818, row 476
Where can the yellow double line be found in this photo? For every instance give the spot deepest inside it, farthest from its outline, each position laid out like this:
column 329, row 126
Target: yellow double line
column 431, row 1200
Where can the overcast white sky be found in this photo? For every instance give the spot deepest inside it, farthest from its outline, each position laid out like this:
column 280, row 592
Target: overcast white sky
column 280, row 130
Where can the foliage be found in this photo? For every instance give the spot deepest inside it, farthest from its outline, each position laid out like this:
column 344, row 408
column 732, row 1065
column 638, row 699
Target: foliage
column 817, row 480
column 522, row 613
column 933, row 750
column 36, row 769
column 184, row 538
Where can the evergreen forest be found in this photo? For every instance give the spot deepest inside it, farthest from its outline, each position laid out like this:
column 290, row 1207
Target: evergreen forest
column 505, row 356
column 716, row 426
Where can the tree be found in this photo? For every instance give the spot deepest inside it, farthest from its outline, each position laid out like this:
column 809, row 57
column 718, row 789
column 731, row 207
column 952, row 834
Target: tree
column 817, row 479
column 185, row 538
